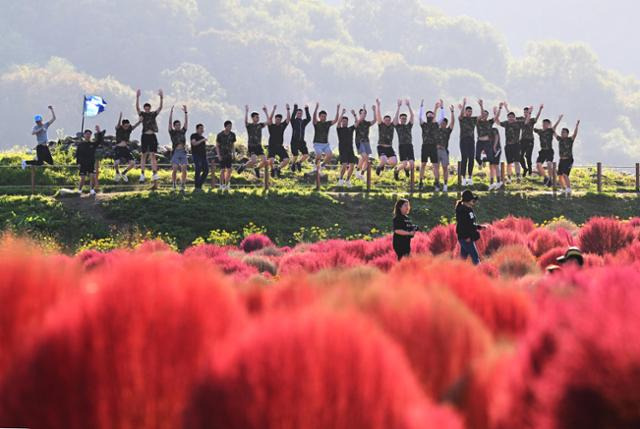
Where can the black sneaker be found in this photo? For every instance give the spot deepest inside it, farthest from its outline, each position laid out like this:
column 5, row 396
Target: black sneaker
column 546, row 181
column 378, row 170
column 241, row 168
column 272, row 172
column 406, row 173
column 292, row 167
column 299, row 166
column 396, row 174
column 421, row 186
column 257, row 171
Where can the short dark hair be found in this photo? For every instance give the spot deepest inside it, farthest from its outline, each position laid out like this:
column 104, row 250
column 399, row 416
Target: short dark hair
column 199, row 125
column 345, row 117
column 125, row 121
column 469, row 108
column 386, row 116
column 403, row 114
column 147, row 105
column 227, row 123
column 548, row 121
column 396, row 208
column 322, row 112
column 429, row 112
column 511, row 114
column 526, row 109
column 445, row 120
column 87, row 131
column 565, row 129
column 278, row 116
column 254, row 114
column 176, row 122
column 361, row 110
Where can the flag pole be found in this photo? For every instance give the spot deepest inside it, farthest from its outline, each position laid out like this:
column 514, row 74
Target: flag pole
column 84, row 101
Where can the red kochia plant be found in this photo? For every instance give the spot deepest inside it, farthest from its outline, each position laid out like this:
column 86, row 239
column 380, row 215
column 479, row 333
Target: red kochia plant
column 498, row 238
column 255, row 242
column 434, row 328
column 603, row 235
column 550, row 257
column 514, row 261
column 126, row 354
column 542, row 240
column 312, row 370
column 443, row 239
column 521, row 225
column 578, row 367
column 31, row 283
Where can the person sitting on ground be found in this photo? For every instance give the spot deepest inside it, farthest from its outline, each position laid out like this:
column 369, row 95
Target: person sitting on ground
column 122, row 152
column 42, row 149
column 467, row 228
column 403, row 229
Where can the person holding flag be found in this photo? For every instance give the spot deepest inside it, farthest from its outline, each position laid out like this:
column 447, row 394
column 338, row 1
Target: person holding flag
column 149, row 140
column 93, row 106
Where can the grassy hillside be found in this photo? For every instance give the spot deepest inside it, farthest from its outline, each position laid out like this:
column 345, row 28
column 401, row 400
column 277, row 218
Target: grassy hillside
column 287, row 217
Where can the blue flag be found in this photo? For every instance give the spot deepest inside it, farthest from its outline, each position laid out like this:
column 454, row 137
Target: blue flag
column 93, row 105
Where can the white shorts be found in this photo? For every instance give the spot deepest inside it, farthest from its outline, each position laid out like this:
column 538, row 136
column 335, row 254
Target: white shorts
column 322, row 148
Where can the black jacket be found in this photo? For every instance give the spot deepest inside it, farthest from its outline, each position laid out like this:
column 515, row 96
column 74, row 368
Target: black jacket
column 298, row 125
column 466, row 226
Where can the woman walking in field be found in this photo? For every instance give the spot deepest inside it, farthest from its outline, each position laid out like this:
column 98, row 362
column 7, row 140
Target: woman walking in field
column 403, row 228
column 466, row 226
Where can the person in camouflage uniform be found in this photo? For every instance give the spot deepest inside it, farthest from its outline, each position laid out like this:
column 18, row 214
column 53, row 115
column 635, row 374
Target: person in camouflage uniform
column 122, row 153
column 362, row 141
column 468, row 124
column 257, row 159
column 321, row 128
column 442, row 136
column 565, row 150
column 545, row 155
column 149, row 140
column 405, row 144
column 386, row 154
column 526, row 139
column 429, row 150
column 512, row 128
column 484, row 127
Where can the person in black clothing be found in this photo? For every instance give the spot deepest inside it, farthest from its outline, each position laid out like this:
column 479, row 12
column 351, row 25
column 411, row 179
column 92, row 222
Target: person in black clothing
column 122, row 152
column 466, row 226
column 199, row 154
column 345, row 149
column 298, row 145
column 276, row 141
column 225, row 149
column 403, row 229
column 86, row 158
column 257, row 160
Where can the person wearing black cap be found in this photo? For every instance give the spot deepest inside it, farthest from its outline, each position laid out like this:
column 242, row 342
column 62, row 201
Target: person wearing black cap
column 466, row 226
column 573, row 255
column 403, row 229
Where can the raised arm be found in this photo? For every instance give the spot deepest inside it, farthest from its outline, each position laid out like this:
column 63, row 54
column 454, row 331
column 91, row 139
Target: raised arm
column 186, row 117
column 161, row 94
column 395, row 118
column 539, row 112
column 411, row 116
column 356, row 119
column 53, row 115
column 170, row 118
column 119, row 121
column 273, row 113
column 344, row 112
column 266, row 113
column 421, row 112
column 557, row 123
column 306, row 112
column 575, row 132
column 288, row 113
column 138, row 92
column 481, row 104
column 378, row 115
column 133, row 127
column 246, row 114
column 497, row 113
column 337, row 118
column 315, row 113
column 463, row 107
column 452, row 122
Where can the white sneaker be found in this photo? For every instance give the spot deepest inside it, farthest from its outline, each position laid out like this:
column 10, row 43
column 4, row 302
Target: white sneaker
column 499, row 185
column 470, row 181
column 359, row 175
column 142, row 178
column 348, row 183
column 492, row 186
column 444, row 188
column 228, row 186
column 340, row 182
column 155, row 177
column 92, row 192
column 125, row 179
column 24, row 164
column 118, row 177
column 436, row 188
column 464, row 181
column 507, row 180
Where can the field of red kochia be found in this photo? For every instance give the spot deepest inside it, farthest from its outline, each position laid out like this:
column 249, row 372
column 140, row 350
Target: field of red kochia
column 335, row 334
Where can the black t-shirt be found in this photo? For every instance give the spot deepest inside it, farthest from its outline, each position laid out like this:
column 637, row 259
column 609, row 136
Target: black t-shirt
column 442, row 137
column 345, row 135
column 429, row 130
column 362, row 131
column 200, row 149
column 123, row 134
column 226, row 142
column 86, row 150
column 321, row 129
column 254, row 134
column 276, row 133
column 178, row 137
column 403, row 223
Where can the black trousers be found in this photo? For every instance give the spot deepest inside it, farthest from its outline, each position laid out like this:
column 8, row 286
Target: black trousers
column 402, row 251
column 42, row 155
column 526, row 152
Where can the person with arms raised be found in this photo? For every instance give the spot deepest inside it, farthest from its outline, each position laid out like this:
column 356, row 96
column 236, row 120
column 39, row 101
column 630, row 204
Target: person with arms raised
column 298, row 144
column 345, row 148
column 86, row 158
column 225, row 149
column 565, row 150
column 546, row 154
column 321, row 128
column 123, row 154
column 363, row 144
column 468, row 124
column 526, row 139
column 199, row 154
column 403, row 128
column 178, row 133
column 442, row 136
column 429, row 150
column 257, row 160
column 386, row 154
column 483, row 127
column 276, row 141
column 149, row 140
column 43, row 154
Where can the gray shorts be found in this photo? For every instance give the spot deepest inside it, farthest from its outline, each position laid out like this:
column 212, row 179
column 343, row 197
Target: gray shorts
column 179, row 157
column 364, row 148
column 322, row 148
column 443, row 157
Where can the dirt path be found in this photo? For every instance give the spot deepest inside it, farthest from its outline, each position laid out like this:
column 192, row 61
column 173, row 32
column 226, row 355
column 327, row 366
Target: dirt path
column 88, row 206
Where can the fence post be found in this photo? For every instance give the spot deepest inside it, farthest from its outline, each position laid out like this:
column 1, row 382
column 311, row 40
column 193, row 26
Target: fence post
column 637, row 176
column 369, row 176
column 459, row 179
column 266, row 176
column 33, row 179
column 554, row 170
column 503, row 171
column 599, row 176
column 412, row 179
column 318, row 177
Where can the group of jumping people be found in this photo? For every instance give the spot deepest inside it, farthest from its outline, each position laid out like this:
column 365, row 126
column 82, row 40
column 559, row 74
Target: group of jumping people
column 354, row 144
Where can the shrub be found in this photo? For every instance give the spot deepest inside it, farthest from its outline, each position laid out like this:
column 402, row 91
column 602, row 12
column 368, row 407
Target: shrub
column 514, row 261
column 542, row 240
column 443, row 239
column 499, row 238
column 255, row 242
column 562, row 223
column 603, row 235
column 515, row 224
column 353, row 378
column 261, row 263
column 123, row 356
